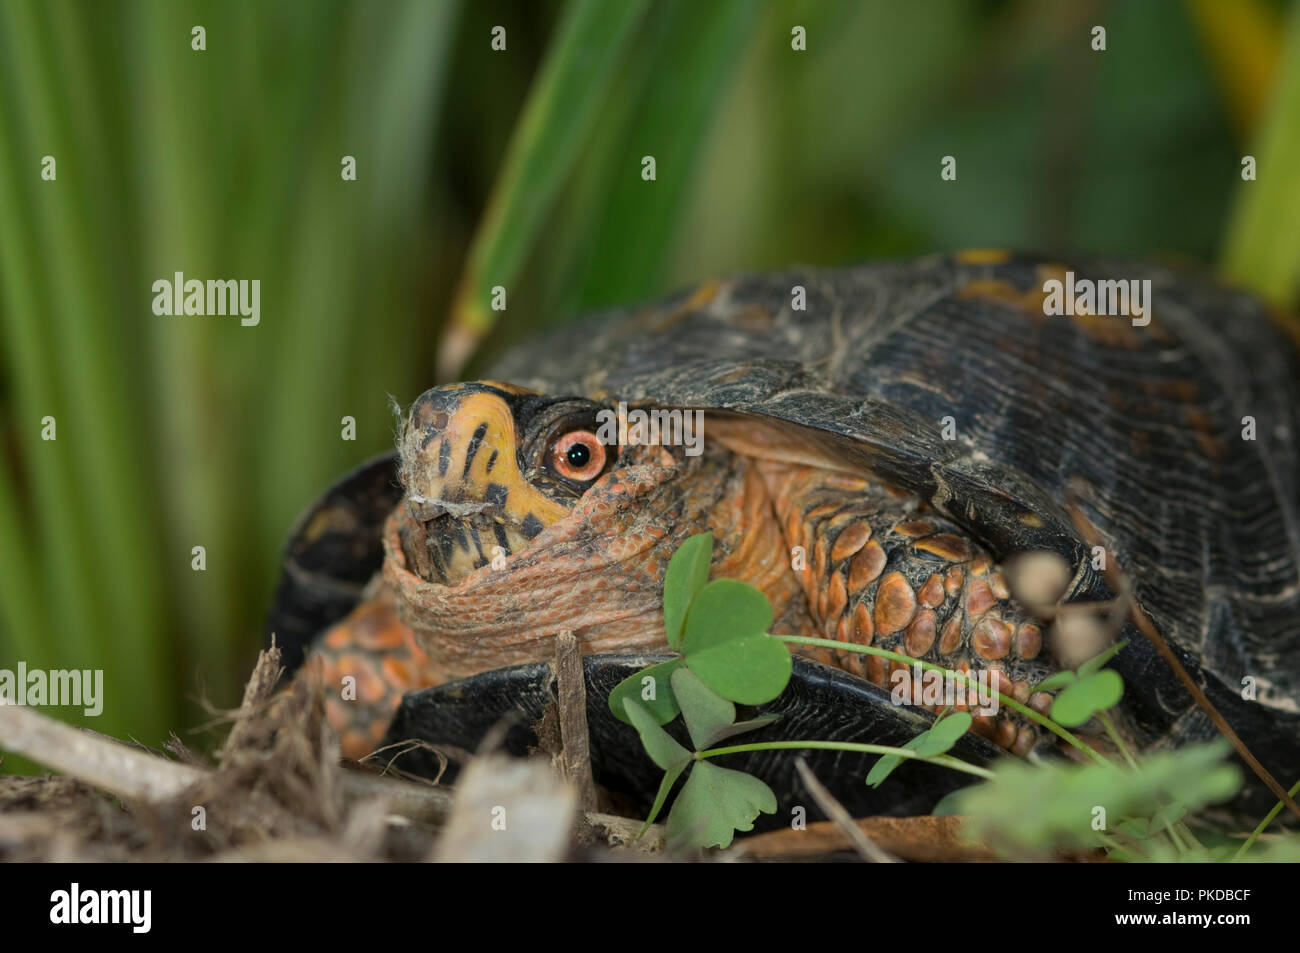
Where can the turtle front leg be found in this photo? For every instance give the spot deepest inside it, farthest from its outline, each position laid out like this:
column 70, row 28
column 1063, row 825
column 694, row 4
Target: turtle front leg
column 878, row 567
column 367, row 661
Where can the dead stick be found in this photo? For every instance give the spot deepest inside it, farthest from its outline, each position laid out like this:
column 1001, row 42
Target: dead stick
column 107, row 764
column 839, row 815
column 575, row 743
column 102, row 762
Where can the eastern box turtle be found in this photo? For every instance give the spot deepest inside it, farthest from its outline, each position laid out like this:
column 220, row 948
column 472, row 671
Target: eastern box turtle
column 908, row 430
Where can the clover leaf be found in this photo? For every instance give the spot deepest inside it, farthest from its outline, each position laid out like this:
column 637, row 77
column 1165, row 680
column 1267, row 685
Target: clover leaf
column 946, row 731
column 652, row 688
column 663, row 751
column 715, row 803
column 709, row 717
column 751, row 669
column 1067, row 677
column 687, row 573
column 1085, row 697
column 662, row 748
column 1053, row 682
column 725, row 642
column 1097, row 661
column 723, row 610
column 721, row 629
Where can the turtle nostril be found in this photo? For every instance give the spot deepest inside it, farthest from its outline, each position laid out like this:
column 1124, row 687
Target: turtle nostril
column 426, row 417
column 434, row 421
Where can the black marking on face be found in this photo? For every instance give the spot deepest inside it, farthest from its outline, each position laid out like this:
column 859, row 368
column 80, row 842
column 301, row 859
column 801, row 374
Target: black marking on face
column 496, row 494
column 439, row 564
column 471, row 449
column 532, row 526
column 478, row 545
column 492, row 461
column 447, row 545
column 444, row 457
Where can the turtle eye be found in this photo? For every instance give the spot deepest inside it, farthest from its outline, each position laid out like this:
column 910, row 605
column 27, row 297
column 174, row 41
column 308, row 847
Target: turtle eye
column 578, row 456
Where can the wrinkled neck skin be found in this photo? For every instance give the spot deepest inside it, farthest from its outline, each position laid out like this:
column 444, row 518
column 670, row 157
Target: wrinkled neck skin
column 599, row 571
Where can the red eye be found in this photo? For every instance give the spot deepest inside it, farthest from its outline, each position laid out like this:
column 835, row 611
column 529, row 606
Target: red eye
column 579, row 455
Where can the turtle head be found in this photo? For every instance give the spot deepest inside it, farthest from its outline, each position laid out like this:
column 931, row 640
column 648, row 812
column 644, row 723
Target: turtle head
column 526, row 515
column 488, row 466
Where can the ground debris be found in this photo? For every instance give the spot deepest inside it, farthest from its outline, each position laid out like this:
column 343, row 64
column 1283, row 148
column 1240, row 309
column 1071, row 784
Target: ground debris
column 509, row 810
column 277, row 789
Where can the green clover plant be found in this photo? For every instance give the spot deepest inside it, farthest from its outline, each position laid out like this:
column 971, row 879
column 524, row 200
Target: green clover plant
column 726, row 657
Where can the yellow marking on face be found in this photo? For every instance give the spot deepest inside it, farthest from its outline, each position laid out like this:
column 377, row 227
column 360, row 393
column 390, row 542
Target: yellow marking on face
column 480, row 426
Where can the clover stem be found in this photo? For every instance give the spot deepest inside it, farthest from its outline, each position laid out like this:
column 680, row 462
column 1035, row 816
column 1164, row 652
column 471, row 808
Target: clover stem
column 1187, row 833
column 1114, row 736
column 1176, row 839
column 1117, row 846
column 1011, row 703
column 946, row 760
column 1268, row 819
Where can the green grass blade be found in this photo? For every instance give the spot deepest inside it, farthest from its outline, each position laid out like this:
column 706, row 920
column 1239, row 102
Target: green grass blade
column 21, row 622
column 91, row 510
column 694, row 69
column 614, row 237
column 1262, row 247
column 329, row 338
column 561, row 109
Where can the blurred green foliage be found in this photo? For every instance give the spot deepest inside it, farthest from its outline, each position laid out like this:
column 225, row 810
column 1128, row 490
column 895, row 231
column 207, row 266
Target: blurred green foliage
column 175, row 432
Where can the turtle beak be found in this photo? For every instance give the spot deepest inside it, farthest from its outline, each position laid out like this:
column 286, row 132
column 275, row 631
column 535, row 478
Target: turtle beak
column 460, row 467
column 460, row 456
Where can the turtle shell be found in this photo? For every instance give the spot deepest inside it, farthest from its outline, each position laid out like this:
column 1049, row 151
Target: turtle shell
column 1141, row 426
column 820, row 701
column 333, row 550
